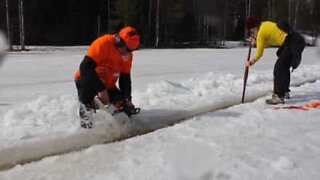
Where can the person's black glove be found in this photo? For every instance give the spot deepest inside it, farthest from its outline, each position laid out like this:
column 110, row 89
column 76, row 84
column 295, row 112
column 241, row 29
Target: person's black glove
column 129, row 108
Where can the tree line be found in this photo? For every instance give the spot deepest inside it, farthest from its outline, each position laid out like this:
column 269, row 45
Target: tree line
column 161, row 23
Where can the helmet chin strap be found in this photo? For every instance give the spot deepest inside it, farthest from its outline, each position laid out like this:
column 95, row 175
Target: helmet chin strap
column 121, row 44
column 118, row 42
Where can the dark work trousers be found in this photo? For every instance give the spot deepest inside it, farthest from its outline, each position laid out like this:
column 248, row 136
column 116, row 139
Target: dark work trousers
column 86, row 92
column 289, row 55
column 281, row 73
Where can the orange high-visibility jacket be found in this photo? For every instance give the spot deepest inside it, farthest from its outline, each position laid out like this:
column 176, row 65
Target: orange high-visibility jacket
column 110, row 63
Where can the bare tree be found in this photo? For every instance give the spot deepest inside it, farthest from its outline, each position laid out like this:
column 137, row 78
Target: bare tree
column 269, row 8
column 225, row 18
column 296, row 13
column 289, row 11
column 248, row 8
column 98, row 25
column 126, row 15
column 21, row 25
column 248, row 13
column 157, row 23
column 149, row 17
column 108, row 15
column 271, row 4
column 8, row 25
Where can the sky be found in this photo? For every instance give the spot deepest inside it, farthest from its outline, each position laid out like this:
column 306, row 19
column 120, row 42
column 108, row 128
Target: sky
column 174, row 137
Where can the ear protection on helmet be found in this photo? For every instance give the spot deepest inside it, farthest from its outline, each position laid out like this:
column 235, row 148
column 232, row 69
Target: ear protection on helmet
column 130, row 37
column 120, row 43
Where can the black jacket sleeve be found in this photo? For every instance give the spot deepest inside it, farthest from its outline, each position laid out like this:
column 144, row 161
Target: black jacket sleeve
column 125, row 85
column 87, row 71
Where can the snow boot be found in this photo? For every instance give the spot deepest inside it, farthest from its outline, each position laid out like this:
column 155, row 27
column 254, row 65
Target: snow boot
column 286, row 95
column 275, row 99
column 86, row 116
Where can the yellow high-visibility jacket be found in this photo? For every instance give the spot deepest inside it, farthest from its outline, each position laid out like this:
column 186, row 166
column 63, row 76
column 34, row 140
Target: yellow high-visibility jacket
column 268, row 35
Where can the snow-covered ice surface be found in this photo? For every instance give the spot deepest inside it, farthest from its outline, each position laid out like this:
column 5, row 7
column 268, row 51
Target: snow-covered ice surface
column 247, row 141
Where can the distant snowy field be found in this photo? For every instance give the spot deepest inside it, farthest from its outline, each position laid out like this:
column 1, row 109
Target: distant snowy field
column 248, row 141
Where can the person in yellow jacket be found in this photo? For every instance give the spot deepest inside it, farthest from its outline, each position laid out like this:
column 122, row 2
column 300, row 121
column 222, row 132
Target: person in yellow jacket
column 290, row 43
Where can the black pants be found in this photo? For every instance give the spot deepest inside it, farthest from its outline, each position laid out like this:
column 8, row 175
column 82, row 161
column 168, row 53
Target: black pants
column 86, row 92
column 281, row 73
column 289, row 55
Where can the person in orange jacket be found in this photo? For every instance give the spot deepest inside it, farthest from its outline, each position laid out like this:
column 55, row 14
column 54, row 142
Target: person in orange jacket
column 107, row 60
column 290, row 43
column 3, row 46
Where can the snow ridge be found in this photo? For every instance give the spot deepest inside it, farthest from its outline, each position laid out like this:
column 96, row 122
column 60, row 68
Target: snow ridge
column 190, row 98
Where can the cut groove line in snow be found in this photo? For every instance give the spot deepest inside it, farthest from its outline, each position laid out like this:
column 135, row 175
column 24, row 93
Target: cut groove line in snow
column 144, row 123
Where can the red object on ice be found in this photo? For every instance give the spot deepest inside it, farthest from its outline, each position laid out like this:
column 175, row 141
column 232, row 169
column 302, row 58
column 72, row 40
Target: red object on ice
column 306, row 107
